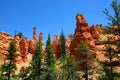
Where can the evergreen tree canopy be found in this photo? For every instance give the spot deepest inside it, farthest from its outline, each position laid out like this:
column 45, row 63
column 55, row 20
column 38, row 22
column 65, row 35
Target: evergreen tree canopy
column 20, row 34
column 36, row 63
column 85, row 57
column 110, row 53
column 62, row 45
column 50, row 53
column 12, row 49
column 50, row 60
column 9, row 67
column 115, row 17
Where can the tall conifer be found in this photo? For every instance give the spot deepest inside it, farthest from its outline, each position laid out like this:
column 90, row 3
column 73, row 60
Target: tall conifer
column 50, row 60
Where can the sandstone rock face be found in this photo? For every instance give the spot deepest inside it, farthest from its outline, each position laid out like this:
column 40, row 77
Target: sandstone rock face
column 55, row 45
column 94, row 32
column 34, row 33
column 17, row 41
column 32, row 42
column 5, row 39
column 22, row 44
column 24, row 48
column 68, row 41
column 99, row 28
column 82, row 32
column 41, row 39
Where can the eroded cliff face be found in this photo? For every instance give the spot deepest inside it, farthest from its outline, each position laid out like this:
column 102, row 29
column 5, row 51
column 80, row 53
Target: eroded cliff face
column 22, row 44
column 82, row 33
column 24, row 48
column 91, row 35
column 17, row 42
column 94, row 32
column 94, row 37
column 32, row 44
column 5, row 39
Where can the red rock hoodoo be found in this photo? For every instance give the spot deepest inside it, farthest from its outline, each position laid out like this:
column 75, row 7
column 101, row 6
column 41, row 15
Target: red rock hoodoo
column 32, row 42
column 55, row 45
column 82, row 32
column 24, row 48
column 41, row 39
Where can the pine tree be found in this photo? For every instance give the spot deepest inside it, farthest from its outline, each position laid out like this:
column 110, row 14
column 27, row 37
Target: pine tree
column 3, row 70
column 62, row 45
column 9, row 67
column 50, row 60
column 20, row 34
column 85, row 57
column 115, row 18
column 112, row 61
column 68, row 69
column 110, row 53
column 24, row 71
column 36, row 63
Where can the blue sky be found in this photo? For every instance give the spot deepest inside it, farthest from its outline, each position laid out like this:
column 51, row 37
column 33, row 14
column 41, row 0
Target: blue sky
column 49, row 16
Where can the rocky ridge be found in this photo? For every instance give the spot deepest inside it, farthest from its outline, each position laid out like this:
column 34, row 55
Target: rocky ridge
column 92, row 35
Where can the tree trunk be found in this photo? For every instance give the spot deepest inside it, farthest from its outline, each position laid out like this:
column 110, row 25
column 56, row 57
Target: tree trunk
column 111, row 68
column 9, row 73
column 86, row 71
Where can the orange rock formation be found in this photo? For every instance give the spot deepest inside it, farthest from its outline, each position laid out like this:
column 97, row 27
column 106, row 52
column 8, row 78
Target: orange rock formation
column 32, row 42
column 94, row 32
column 41, row 39
column 5, row 39
column 24, row 48
column 55, row 45
column 82, row 32
column 91, row 35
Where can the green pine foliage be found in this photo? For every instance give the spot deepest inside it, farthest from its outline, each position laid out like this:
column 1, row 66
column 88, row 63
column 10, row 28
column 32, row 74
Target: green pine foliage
column 111, row 53
column 24, row 71
column 85, row 57
column 50, row 60
column 20, row 34
column 9, row 66
column 62, row 43
column 12, row 49
column 114, row 19
column 112, row 61
column 68, row 69
column 36, row 63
